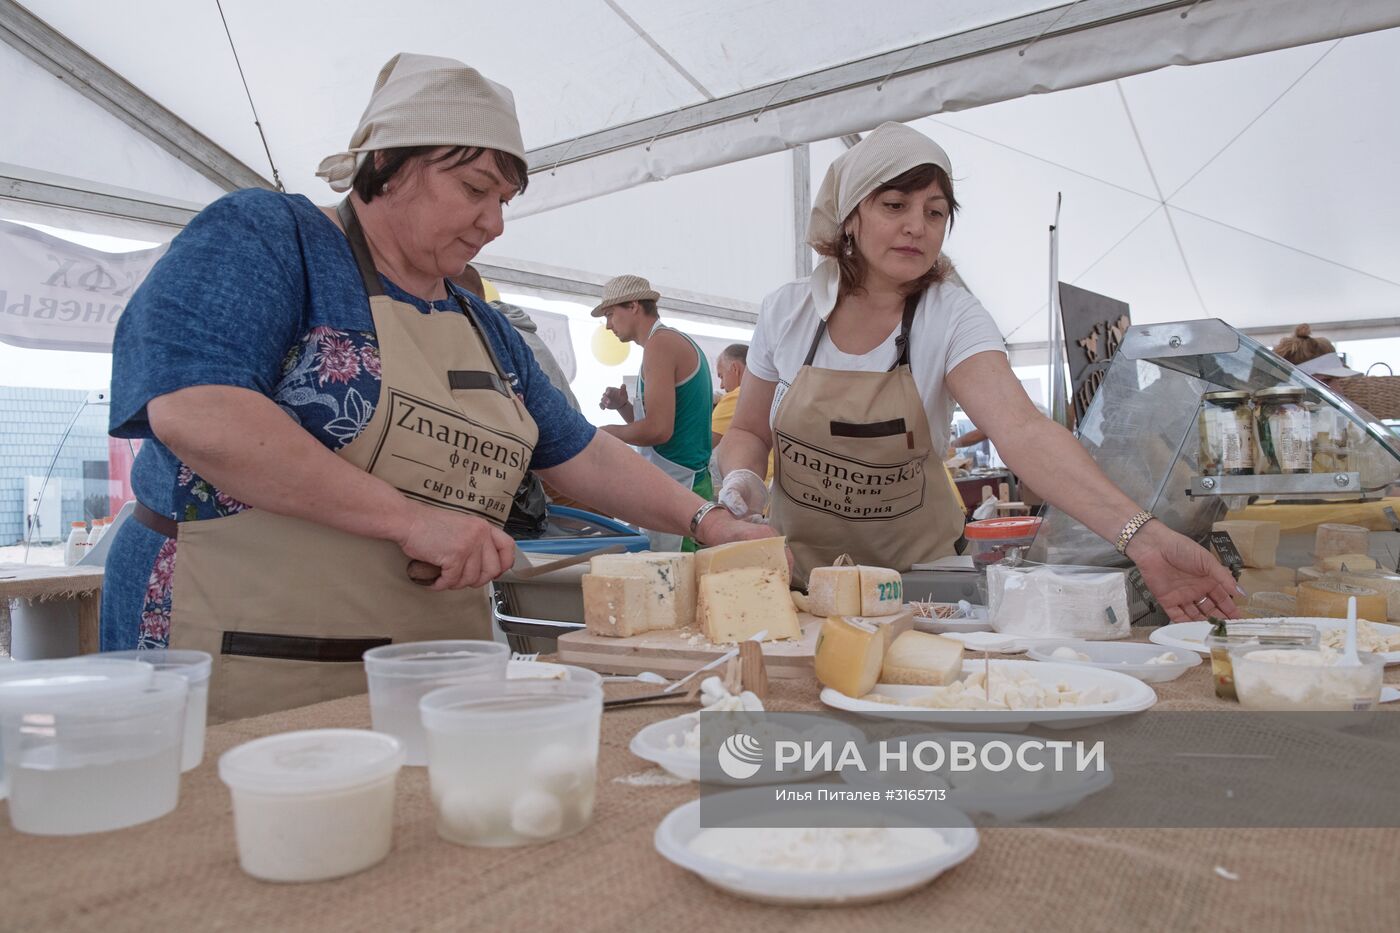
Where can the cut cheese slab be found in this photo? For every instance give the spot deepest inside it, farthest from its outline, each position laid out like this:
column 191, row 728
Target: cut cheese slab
column 834, row 591
column 1257, row 542
column 1382, row 582
column 849, row 655
column 737, row 604
column 670, row 576
column 1348, row 562
column 765, row 553
column 891, row 627
column 617, row 606
column 1334, row 538
column 881, row 591
column 1273, row 580
column 921, row 658
column 1328, row 599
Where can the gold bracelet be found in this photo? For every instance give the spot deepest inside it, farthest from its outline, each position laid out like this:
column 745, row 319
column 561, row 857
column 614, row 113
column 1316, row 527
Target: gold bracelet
column 1133, row 527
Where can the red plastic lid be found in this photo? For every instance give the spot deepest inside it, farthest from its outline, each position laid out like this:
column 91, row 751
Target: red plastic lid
column 990, row 528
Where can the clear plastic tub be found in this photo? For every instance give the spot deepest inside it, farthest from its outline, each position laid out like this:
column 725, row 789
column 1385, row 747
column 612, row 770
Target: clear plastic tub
column 313, row 805
column 992, row 539
column 89, row 758
column 514, row 763
column 401, row 675
column 1270, row 677
column 194, row 666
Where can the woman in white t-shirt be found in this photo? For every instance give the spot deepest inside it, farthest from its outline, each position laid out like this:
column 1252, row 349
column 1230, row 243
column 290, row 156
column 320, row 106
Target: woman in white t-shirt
column 851, row 380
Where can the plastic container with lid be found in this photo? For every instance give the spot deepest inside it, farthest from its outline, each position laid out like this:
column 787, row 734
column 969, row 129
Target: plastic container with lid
column 400, row 675
column 514, row 763
column 76, row 545
column 194, row 666
column 1239, row 633
column 88, row 754
column 992, row 539
column 1282, row 431
column 1227, row 434
column 313, row 805
column 1275, row 678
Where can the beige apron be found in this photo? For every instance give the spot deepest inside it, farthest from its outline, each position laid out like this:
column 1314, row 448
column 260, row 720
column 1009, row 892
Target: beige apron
column 288, row 607
column 854, row 472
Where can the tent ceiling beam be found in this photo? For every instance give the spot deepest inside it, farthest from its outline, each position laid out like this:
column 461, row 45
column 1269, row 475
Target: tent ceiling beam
column 53, row 52
column 1086, row 14
column 49, row 190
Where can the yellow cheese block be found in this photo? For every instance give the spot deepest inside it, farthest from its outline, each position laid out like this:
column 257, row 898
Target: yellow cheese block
column 849, row 655
column 766, row 553
column 1264, row 605
column 881, row 591
column 1273, row 580
column 1348, row 562
column 890, row 627
column 670, row 577
column 1257, row 542
column 1382, row 582
column 921, row 658
column 1333, row 538
column 737, row 604
column 618, row 606
column 1328, row 599
column 834, row 591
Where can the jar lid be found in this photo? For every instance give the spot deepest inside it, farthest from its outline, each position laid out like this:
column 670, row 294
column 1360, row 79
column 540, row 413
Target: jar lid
column 1228, row 396
column 312, row 761
column 1281, row 392
column 992, row 528
column 194, row 666
column 83, row 676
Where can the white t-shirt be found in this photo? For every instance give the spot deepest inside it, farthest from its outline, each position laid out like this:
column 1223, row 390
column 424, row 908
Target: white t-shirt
column 949, row 326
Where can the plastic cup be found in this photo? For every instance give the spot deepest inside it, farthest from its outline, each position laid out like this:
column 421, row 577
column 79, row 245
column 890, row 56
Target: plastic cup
column 313, row 805
column 401, row 675
column 514, row 763
column 194, row 666
column 87, row 756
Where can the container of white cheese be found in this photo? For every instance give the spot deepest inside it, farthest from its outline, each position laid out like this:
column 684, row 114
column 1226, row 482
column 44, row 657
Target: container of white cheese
column 195, row 667
column 1273, row 678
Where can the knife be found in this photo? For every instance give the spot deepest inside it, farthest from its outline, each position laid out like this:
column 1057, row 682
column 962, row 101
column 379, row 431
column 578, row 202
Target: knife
column 425, row 574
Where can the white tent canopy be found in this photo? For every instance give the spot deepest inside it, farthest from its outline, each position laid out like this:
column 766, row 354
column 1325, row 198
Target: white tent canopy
column 1253, row 186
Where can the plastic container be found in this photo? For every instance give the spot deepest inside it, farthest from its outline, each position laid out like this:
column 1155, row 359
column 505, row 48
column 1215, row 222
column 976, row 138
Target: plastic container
column 94, row 756
column 514, row 763
column 76, row 545
column 401, row 675
column 1297, row 679
column 313, row 805
column 194, row 666
column 1269, row 634
column 991, row 539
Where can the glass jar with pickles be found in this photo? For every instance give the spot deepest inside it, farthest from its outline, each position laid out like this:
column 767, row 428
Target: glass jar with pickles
column 1282, row 431
column 1227, row 434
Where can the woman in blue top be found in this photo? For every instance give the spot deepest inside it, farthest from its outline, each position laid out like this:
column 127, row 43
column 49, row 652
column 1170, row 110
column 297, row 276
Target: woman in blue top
column 303, row 443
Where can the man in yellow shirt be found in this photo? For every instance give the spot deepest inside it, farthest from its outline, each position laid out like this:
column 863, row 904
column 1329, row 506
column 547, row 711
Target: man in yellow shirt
column 729, row 367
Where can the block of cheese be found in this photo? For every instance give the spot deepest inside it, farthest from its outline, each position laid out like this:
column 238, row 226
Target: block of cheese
column 737, row 604
column 617, row 606
column 1348, row 561
column 1328, row 599
column 1273, row 580
column 766, row 553
column 800, row 602
column 670, row 576
column 1257, row 542
column 891, row 627
column 881, row 591
column 834, row 591
column 1333, row 539
column 850, row 652
column 1382, row 582
column 921, row 658
column 1265, row 605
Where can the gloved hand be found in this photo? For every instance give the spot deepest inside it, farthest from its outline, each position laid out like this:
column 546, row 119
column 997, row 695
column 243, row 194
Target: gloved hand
column 744, row 494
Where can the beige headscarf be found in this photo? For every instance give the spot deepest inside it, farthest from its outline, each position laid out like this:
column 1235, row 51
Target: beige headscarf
column 424, row 100
column 888, row 152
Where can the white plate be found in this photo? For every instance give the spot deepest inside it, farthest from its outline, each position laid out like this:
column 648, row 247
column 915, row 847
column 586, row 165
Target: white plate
column 682, row 824
column 650, row 744
column 535, row 670
column 1124, row 657
column 1190, row 636
column 1133, row 696
column 998, row 643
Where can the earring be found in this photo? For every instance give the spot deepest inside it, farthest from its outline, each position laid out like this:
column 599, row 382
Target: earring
column 848, row 246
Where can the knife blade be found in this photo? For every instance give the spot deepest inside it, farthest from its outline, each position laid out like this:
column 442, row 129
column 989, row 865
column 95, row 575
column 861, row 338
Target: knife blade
column 426, row 574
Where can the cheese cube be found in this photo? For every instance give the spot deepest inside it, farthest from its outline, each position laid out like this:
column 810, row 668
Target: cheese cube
column 670, row 576
column 921, row 658
column 766, row 553
column 1328, row 599
column 617, row 606
column 834, row 591
column 1348, row 561
column 1334, row 538
column 736, row 604
column 1257, row 542
column 881, row 591
column 849, row 655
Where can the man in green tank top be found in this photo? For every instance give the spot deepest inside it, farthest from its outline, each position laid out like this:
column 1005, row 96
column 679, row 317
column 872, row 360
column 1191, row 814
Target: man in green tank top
column 670, row 422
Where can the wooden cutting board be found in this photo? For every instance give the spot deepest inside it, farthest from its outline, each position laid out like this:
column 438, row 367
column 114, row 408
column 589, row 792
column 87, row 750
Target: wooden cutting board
column 667, row 652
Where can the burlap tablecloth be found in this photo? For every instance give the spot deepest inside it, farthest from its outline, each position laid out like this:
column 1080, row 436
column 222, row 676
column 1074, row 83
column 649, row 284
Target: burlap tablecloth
column 181, row 872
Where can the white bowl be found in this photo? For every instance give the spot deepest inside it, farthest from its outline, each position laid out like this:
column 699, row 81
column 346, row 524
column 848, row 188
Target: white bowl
column 682, row 824
column 650, row 744
column 1124, row 657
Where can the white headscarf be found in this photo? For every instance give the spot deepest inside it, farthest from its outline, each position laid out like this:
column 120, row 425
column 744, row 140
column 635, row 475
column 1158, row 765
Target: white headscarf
column 886, row 153
column 424, row 100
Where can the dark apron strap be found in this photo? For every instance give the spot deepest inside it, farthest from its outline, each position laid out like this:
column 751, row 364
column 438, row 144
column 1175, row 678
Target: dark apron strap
column 901, row 342
column 356, row 235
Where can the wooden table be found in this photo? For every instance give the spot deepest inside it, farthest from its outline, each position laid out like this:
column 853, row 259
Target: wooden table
column 31, row 582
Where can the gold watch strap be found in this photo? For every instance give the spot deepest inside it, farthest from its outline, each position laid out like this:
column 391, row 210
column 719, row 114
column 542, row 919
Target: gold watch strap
column 1133, row 527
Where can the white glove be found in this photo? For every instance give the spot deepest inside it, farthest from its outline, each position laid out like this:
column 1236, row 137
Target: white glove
column 743, row 493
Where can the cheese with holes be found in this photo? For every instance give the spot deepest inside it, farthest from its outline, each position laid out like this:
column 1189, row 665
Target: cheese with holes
column 1349, row 562
column 670, row 577
column 921, row 658
column 735, row 605
column 1273, row 580
column 1257, row 542
column 834, row 591
column 618, row 606
column 1333, row 539
column 850, row 652
column 765, row 553
column 881, row 591
column 1382, row 582
column 1328, row 599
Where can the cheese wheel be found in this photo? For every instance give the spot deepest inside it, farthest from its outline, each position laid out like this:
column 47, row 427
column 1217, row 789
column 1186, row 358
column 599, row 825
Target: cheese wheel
column 1334, row 538
column 849, row 654
column 881, row 591
column 1272, row 605
column 834, row 591
column 1382, row 582
column 1347, row 562
column 1328, row 599
column 921, row 658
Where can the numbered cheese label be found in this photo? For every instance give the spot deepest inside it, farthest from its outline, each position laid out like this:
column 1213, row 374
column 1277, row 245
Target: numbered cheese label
column 881, row 591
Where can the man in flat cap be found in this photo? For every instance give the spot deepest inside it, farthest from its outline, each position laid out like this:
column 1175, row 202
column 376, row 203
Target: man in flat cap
column 670, row 422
